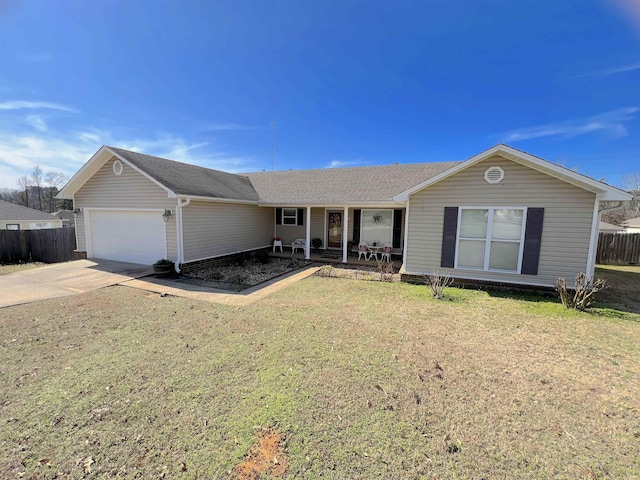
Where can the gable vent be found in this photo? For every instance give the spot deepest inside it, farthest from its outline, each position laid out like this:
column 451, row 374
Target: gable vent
column 117, row 167
column 493, row 175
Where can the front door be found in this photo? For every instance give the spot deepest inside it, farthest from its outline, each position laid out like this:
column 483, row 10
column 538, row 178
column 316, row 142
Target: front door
column 334, row 229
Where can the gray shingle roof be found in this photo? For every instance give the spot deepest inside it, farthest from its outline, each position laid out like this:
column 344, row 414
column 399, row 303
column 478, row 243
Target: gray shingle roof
column 11, row 211
column 185, row 179
column 319, row 186
column 343, row 185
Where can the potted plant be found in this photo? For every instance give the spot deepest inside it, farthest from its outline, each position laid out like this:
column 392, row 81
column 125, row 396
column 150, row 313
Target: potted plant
column 163, row 267
column 316, row 244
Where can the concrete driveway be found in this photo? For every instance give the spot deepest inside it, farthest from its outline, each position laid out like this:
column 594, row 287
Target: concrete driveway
column 63, row 279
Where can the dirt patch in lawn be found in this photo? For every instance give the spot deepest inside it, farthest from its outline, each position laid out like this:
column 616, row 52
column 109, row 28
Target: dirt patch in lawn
column 266, row 455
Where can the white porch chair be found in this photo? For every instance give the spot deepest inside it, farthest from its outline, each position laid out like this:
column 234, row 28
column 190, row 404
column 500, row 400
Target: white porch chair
column 363, row 249
column 300, row 243
column 386, row 252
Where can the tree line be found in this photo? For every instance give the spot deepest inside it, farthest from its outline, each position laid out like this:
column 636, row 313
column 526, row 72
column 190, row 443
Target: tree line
column 38, row 191
column 630, row 209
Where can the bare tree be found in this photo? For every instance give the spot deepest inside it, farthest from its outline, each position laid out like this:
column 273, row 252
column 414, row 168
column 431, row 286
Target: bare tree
column 54, row 181
column 24, row 183
column 629, row 209
column 36, row 177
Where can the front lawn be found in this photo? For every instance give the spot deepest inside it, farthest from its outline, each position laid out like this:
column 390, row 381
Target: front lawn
column 346, row 379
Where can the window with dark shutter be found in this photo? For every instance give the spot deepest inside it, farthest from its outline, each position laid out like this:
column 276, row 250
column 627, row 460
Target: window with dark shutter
column 301, row 216
column 532, row 240
column 278, row 216
column 397, row 228
column 448, row 256
column 357, row 213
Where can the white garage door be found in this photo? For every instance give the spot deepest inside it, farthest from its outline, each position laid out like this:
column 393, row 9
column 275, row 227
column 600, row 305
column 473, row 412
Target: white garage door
column 128, row 235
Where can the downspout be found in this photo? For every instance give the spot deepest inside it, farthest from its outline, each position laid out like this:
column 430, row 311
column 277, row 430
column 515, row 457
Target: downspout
column 179, row 234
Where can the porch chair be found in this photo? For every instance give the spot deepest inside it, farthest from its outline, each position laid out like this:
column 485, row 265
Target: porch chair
column 386, row 252
column 363, row 249
column 300, row 243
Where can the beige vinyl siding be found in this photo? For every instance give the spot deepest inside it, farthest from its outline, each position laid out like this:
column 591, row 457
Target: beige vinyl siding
column 568, row 213
column 289, row 233
column 130, row 190
column 318, row 224
column 215, row 229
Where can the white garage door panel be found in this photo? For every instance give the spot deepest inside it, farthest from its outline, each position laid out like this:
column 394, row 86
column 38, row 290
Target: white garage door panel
column 128, row 236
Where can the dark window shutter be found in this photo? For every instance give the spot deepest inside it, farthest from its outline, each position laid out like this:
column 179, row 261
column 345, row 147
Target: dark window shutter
column 397, row 228
column 278, row 216
column 357, row 213
column 532, row 238
column 300, row 216
column 449, row 230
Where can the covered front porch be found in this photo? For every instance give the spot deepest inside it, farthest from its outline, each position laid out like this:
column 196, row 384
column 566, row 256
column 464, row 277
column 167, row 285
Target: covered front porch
column 330, row 233
column 331, row 258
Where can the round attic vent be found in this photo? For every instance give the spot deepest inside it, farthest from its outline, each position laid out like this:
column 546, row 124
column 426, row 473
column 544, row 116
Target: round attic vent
column 117, row 167
column 493, row 175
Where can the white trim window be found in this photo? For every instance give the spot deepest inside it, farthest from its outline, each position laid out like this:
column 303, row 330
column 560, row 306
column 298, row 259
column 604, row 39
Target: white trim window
column 376, row 226
column 12, row 226
column 289, row 216
column 491, row 238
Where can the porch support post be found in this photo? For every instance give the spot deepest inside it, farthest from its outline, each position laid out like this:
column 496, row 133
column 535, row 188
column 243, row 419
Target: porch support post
column 307, row 247
column 345, row 232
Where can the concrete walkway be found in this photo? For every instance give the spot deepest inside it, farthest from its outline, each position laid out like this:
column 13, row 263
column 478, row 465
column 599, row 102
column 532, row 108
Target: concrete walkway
column 206, row 294
column 67, row 278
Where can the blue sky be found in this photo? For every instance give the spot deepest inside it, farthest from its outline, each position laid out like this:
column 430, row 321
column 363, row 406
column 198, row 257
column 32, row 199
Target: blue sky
column 347, row 82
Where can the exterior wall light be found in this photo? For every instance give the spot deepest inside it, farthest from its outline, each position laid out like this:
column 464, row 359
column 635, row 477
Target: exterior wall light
column 76, row 213
column 165, row 216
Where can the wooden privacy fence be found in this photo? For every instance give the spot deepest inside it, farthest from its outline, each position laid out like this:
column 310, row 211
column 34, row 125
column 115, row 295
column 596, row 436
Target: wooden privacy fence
column 618, row 249
column 50, row 245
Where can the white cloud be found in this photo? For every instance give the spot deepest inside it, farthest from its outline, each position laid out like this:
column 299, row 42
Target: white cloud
column 37, row 122
column 23, row 104
column 28, row 141
column 341, row 164
column 610, row 71
column 610, row 122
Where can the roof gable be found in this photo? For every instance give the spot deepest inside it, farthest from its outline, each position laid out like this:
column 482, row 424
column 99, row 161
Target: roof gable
column 605, row 191
column 177, row 178
column 14, row 212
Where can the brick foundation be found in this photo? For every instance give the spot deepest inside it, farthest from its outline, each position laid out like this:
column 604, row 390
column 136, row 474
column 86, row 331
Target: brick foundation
column 483, row 285
column 78, row 255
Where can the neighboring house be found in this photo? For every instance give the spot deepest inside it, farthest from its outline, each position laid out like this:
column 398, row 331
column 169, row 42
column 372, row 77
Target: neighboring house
column 609, row 228
column 632, row 226
column 17, row 217
column 501, row 216
column 66, row 216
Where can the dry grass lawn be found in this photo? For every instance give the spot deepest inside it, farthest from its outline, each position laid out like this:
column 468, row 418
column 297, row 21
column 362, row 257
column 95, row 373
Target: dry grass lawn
column 359, row 380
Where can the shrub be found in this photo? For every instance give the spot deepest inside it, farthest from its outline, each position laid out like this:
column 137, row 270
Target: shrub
column 163, row 262
column 437, row 282
column 385, row 269
column 583, row 294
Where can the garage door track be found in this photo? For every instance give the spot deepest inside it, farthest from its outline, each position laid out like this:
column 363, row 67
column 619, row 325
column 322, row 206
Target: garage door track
column 63, row 279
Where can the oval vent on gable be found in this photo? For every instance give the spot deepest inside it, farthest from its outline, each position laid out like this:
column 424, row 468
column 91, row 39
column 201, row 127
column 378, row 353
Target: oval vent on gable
column 493, row 175
column 117, row 167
